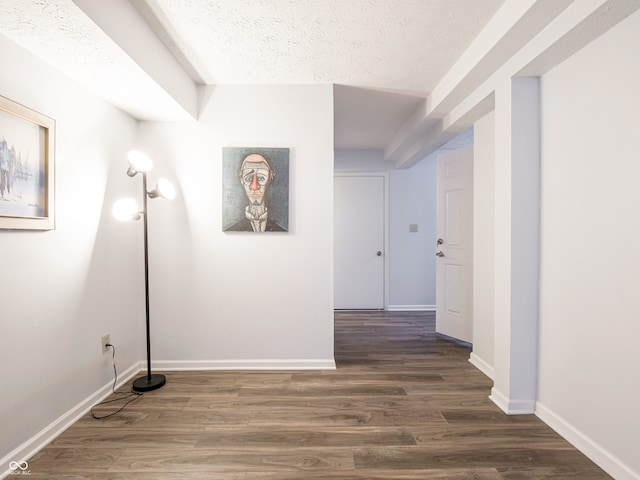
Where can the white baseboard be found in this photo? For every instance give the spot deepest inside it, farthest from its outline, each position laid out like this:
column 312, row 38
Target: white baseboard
column 512, row 406
column 411, row 308
column 481, row 365
column 296, row 364
column 601, row 457
column 41, row 439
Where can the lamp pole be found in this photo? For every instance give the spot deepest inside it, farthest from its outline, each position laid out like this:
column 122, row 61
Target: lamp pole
column 150, row 381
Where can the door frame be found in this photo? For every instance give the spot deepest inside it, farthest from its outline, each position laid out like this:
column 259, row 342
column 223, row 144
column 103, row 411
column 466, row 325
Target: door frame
column 385, row 227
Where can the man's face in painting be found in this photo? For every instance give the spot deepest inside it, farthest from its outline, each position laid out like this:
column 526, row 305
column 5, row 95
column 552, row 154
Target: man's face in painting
column 255, row 175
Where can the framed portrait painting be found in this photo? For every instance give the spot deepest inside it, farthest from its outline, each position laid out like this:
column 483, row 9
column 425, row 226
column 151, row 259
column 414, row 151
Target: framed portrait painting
column 26, row 168
column 255, row 189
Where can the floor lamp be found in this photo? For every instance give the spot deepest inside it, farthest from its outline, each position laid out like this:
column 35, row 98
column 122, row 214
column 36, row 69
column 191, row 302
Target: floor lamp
column 127, row 209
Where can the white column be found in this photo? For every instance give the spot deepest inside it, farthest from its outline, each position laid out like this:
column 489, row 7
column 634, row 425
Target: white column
column 517, row 244
column 483, row 243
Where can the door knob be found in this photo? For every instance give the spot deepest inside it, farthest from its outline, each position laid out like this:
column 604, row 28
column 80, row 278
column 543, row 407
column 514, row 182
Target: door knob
column 439, row 254
column 440, row 241
column 379, row 253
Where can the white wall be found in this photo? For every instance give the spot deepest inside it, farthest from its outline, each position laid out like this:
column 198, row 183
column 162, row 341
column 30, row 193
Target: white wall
column 61, row 290
column 412, row 198
column 589, row 380
column 237, row 299
column 483, row 243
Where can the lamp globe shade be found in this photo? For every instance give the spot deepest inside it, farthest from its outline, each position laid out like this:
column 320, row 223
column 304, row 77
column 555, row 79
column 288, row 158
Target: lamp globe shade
column 126, row 209
column 140, row 161
column 166, row 189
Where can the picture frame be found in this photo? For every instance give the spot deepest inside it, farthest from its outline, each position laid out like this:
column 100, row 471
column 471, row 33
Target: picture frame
column 27, row 165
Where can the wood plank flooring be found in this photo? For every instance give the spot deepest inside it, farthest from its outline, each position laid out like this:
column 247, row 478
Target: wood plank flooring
column 403, row 404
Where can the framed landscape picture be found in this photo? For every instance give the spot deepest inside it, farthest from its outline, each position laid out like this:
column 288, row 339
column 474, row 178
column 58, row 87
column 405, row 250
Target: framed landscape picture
column 27, row 141
column 255, row 189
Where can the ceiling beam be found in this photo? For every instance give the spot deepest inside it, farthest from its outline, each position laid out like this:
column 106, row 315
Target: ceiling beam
column 511, row 28
column 556, row 40
column 122, row 22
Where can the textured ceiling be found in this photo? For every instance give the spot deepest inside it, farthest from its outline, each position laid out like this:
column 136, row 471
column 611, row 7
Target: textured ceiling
column 385, row 56
column 404, row 45
column 61, row 34
column 398, row 67
column 394, row 51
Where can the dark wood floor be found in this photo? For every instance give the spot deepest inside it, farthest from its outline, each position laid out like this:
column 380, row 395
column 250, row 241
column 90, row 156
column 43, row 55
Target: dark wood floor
column 403, row 404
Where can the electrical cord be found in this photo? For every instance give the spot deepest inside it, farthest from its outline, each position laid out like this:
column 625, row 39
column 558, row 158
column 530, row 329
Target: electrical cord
column 131, row 396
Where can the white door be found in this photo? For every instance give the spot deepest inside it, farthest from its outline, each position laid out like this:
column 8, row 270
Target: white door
column 454, row 233
column 359, row 223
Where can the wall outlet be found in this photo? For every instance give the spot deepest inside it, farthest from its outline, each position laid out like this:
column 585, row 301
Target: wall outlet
column 104, row 340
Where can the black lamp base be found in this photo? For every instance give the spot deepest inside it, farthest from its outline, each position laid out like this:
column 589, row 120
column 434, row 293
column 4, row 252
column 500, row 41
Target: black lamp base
column 146, row 383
